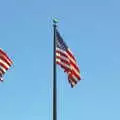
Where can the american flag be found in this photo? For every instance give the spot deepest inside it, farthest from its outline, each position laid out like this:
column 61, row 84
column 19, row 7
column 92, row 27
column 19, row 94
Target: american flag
column 5, row 63
column 66, row 59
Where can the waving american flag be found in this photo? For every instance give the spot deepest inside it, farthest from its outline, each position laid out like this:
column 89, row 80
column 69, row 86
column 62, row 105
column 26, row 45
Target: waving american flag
column 66, row 59
column 5, row 63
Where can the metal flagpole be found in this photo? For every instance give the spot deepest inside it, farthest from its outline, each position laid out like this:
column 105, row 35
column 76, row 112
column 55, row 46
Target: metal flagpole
column 54, row 73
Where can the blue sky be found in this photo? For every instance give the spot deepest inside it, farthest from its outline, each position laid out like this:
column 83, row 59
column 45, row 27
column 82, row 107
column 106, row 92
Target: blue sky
column 91, row 29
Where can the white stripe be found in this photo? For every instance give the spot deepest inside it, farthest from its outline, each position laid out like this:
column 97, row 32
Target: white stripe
column 58, row 54
column 3, row 69
column 75, row 70
column 67, row 55
column 75, row 78
column 71, row 54
column 62, row 57
column 1, row 73
column 72, row 83
column 3, row 62
column 72, row 67
column 66, row 65
column 5, row 56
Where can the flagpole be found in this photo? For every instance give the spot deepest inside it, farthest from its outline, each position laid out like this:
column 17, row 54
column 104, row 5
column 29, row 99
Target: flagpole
column 54, row 73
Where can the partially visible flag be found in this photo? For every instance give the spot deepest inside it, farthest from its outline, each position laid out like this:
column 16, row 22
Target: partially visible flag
column 5, row 63
column 66, row 59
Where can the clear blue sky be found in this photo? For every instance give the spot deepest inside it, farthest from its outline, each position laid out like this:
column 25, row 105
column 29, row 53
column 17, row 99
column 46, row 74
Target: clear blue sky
column 91, row 29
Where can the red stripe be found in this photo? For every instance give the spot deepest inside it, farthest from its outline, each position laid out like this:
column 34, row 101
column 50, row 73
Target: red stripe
column 3, row 53
column 1, row 76
column 63, row 60
column 71, row 55
column 72, row 81
column 70, row 78
column 66, row 55
column 64, row 67
column 73, row 64
column 61, row 53
column 5, row 60
column 76, row 75
column 72, row 72
column 2, row 71
column 1, row 64
column 67, row 63
column 69, row 70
